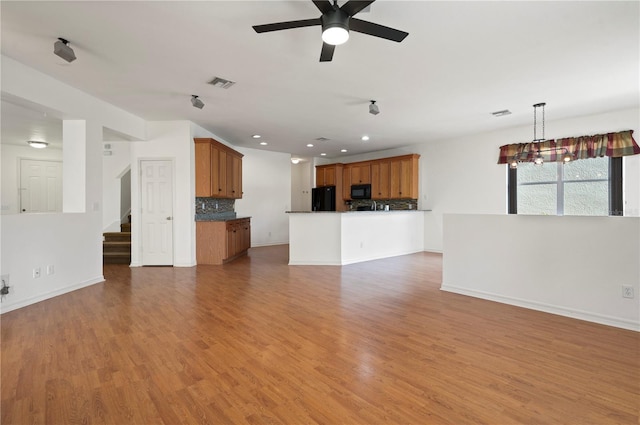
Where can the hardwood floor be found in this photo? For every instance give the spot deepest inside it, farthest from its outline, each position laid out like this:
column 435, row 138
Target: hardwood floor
column 260, row 342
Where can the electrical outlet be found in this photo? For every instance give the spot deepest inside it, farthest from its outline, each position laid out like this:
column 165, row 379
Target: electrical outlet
column 4, row 289
column 36, row 272
column 50, row 269
column 627, row 291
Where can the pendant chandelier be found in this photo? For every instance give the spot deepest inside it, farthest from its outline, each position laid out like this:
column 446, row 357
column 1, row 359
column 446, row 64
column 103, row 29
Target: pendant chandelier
column 538, row 160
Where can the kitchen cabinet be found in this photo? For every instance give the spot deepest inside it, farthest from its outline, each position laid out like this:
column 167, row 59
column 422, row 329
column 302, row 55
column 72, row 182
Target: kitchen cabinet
column 329, row 175
column 218, row 242
column 218, row 170
column 360, row 173
column 404, row 177
column 332, row 175
column 381, row 179
column 346, row 182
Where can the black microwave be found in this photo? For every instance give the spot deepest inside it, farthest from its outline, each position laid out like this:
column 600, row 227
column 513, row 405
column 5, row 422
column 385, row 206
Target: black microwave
column 361, row 191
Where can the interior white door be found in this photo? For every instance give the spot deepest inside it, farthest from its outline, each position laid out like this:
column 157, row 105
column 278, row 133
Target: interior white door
column 40, row 186
column 156, row 215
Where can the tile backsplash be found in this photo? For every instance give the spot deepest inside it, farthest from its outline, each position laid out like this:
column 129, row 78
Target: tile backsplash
column 214, row 205
column 394, row 204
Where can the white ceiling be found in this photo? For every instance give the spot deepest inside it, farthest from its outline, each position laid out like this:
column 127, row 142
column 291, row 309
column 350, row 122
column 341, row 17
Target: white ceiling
column 460, row 62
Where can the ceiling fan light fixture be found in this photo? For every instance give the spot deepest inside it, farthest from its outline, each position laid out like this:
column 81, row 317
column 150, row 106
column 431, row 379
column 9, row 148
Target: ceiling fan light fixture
column 335, row 36
column 38, row 144
column 335, row 27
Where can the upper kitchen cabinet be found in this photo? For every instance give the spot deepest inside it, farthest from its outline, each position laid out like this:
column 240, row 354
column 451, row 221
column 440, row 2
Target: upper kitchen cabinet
column 404, row 177
column 346, row 182
column 360, row 173
column 218, row 170
column 381, row 179
column 329, row 175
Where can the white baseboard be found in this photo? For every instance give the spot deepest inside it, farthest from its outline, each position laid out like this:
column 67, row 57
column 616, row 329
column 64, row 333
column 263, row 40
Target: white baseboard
column 5, row 308
column 270, row 244
column 547, row 308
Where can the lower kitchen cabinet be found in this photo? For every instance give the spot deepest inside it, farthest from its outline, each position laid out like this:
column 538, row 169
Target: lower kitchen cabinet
column 218, row 242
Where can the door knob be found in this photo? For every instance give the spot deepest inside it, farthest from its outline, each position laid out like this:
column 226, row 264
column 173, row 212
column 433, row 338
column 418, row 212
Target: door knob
column 168, row 218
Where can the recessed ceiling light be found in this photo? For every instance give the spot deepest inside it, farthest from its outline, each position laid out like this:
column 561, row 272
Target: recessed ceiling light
column 295, row 160
column 310, row 145
column 343, row 150
column 256, row 136
column 323, row 154
column 365, row 138
column 264, row 143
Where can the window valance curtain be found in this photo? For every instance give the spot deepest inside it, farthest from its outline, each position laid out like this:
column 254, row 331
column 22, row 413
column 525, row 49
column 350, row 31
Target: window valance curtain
column 609, row 144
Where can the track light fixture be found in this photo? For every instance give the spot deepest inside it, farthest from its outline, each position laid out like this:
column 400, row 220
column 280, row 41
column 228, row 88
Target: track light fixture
column 197, row 103
column 61, row 48
column 373, row 108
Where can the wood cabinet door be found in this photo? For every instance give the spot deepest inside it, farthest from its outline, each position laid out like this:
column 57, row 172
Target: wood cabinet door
column 346, row 183
column 404, row 178
column 246, row 235
column 380, row 180
column 236, row 187
column 330, row 176
column 222, row 173
column 203, row 169
column 361, row 174
column 231, row 240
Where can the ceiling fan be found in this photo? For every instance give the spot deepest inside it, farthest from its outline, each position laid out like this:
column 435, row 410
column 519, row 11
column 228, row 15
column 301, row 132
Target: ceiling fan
column 336, row 23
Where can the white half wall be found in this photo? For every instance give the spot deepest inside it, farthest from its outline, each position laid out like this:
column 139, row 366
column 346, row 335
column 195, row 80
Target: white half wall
column 571, row 266
column 71, row 243
column 340, row 238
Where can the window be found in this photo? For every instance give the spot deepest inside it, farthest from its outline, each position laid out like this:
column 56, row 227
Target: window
column 590, row 186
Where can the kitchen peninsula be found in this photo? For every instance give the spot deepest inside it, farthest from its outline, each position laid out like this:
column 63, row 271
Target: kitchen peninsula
column 340, row 238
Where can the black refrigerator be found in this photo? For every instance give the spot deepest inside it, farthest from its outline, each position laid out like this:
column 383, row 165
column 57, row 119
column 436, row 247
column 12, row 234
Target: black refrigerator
column 323, row 198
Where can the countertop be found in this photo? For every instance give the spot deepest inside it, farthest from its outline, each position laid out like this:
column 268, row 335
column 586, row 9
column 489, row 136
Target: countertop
column 351, row 212
column 218, row 217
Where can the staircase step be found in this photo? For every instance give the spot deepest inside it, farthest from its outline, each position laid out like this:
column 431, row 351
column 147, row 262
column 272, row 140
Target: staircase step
column 117, row 236
column 111, row 246
column 125, row 227
column 116, row 258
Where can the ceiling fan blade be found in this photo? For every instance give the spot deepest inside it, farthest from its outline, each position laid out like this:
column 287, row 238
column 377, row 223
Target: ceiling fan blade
column 287, row 25
column 376, row 30
column 354, row 6
column 323, row 6
column 326, row 54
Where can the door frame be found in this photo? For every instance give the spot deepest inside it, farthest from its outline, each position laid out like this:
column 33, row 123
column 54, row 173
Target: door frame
column 136, row 218
column 19, row 181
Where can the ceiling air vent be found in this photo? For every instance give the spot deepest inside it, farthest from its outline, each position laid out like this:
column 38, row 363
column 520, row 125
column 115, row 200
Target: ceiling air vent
column 322, row 139
column 501, row 113
column 221, row 83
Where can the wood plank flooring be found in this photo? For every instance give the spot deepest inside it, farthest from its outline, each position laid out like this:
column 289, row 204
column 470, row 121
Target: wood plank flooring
column 260, row 342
